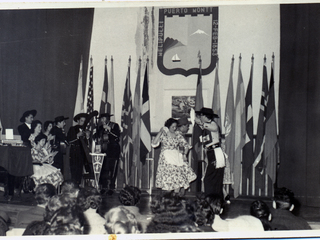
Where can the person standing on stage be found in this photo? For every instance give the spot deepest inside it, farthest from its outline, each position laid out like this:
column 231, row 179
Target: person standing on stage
column 109, row 134
column 211, row 140
column 25, row 128
column 77, row 152
column 60, row 141
column 183, row 125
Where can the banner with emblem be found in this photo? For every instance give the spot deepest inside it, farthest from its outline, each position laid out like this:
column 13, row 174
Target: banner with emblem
column 182, row 34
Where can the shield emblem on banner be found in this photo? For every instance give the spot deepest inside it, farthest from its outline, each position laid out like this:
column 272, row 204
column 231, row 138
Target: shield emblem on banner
column 184, row 35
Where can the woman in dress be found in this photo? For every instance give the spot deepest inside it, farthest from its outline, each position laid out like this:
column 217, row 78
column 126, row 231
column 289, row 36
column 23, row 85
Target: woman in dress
column 43, row 171
column 47, row 127
column 173, row 173
column 36, row 127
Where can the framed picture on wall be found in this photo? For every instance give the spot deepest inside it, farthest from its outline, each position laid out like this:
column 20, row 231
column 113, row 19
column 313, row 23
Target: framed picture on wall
column 182, row 105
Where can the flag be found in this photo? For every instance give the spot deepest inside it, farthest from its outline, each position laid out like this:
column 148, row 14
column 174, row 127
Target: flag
column 271, row 139
column 126, row 124
column 240, row 132
column 248, row 147
column 103, row 105
column 136, row 119
column 196, row 133
column 260, row 138
column 229, row 120
column 90, row 126
column 79, row 107
column 110, row 95
column 216, row 105
column 145, row 141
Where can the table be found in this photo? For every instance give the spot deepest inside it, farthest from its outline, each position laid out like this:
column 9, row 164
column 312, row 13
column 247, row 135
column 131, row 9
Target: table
column 16, row 160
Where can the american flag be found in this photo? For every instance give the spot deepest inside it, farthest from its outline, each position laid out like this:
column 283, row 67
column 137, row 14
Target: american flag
column 145, row 144
column 126, row 124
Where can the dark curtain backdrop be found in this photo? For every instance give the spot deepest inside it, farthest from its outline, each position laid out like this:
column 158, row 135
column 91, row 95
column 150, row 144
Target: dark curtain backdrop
column 40, row 53
column 299, row 102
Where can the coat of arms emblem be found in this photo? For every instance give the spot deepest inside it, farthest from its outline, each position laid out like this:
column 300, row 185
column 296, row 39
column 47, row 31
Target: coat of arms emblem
column 183, row 33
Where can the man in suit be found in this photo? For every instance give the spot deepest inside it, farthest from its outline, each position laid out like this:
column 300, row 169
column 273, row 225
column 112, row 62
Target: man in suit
column 76, row 137
column 25, row 128
column 109, row 133
column 60, row 141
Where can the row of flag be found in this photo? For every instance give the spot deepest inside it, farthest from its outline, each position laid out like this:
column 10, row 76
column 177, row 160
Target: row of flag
column 135, row 118
column 245, row 153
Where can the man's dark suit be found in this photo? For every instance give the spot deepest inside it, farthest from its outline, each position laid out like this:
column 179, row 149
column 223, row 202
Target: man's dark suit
column 25, row 133
column 60, row 139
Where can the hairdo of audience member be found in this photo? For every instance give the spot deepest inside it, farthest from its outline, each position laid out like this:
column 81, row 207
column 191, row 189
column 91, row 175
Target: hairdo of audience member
column 39, row 138
column 89, row 197
column 121, row 220
column 171, row 215
column 129, row 195
column 283, row 198
column 259, row 209
column 36, row 228
column 69, row 186
column 169, row 122
column 46, row 124
column 34, row 124
column 71, row 218
column 56, row 202
column 44, row 192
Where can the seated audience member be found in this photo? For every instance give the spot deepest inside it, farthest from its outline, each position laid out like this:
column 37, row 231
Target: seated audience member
column 43, row 194
column 171, row 215
column 36, row 228
column 259, row 209
column 244, row 223
column 89, row 200
column 36, row 127
column 282, row 217
column 4, row 223
column 129, row 196
column 43, row 171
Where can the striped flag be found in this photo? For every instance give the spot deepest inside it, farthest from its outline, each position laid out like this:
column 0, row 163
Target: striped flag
column 216, row 105
column 103, row 105
column 90, row 98
column 229, row 120
column 110, row 95
column 145, row 142
column 197, row 146
column 270, row 149
column 126, row 124
column 137, row 119
column 248, row 147
column 79, row 107
column 260, row 138
column 240, row 132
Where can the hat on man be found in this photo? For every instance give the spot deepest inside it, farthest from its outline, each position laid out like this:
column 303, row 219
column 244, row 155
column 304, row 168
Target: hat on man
column 60, row 119
column 183, row 121
column 208, row 112
column 80, row 115
column 27, row 113
column 107, row 115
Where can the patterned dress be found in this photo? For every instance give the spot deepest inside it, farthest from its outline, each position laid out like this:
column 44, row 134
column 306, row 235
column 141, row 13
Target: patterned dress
column 169, row 175
column 44, row 173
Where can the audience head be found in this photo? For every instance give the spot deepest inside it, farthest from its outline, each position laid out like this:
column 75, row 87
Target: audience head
column 44, row 192
column 58, row 201
column 89, row 197
column 36, row 126
column 283, row 199
column 47, row 126
column 121, row 220
column 70, row 187
column 67, row 220
column 4, row 223
column 36, row 228
column 260, row 209
column 172, row 214
column 129, row 195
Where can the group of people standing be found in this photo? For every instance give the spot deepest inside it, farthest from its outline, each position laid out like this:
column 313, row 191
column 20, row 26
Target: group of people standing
column 49, row 142
column 174, row 173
